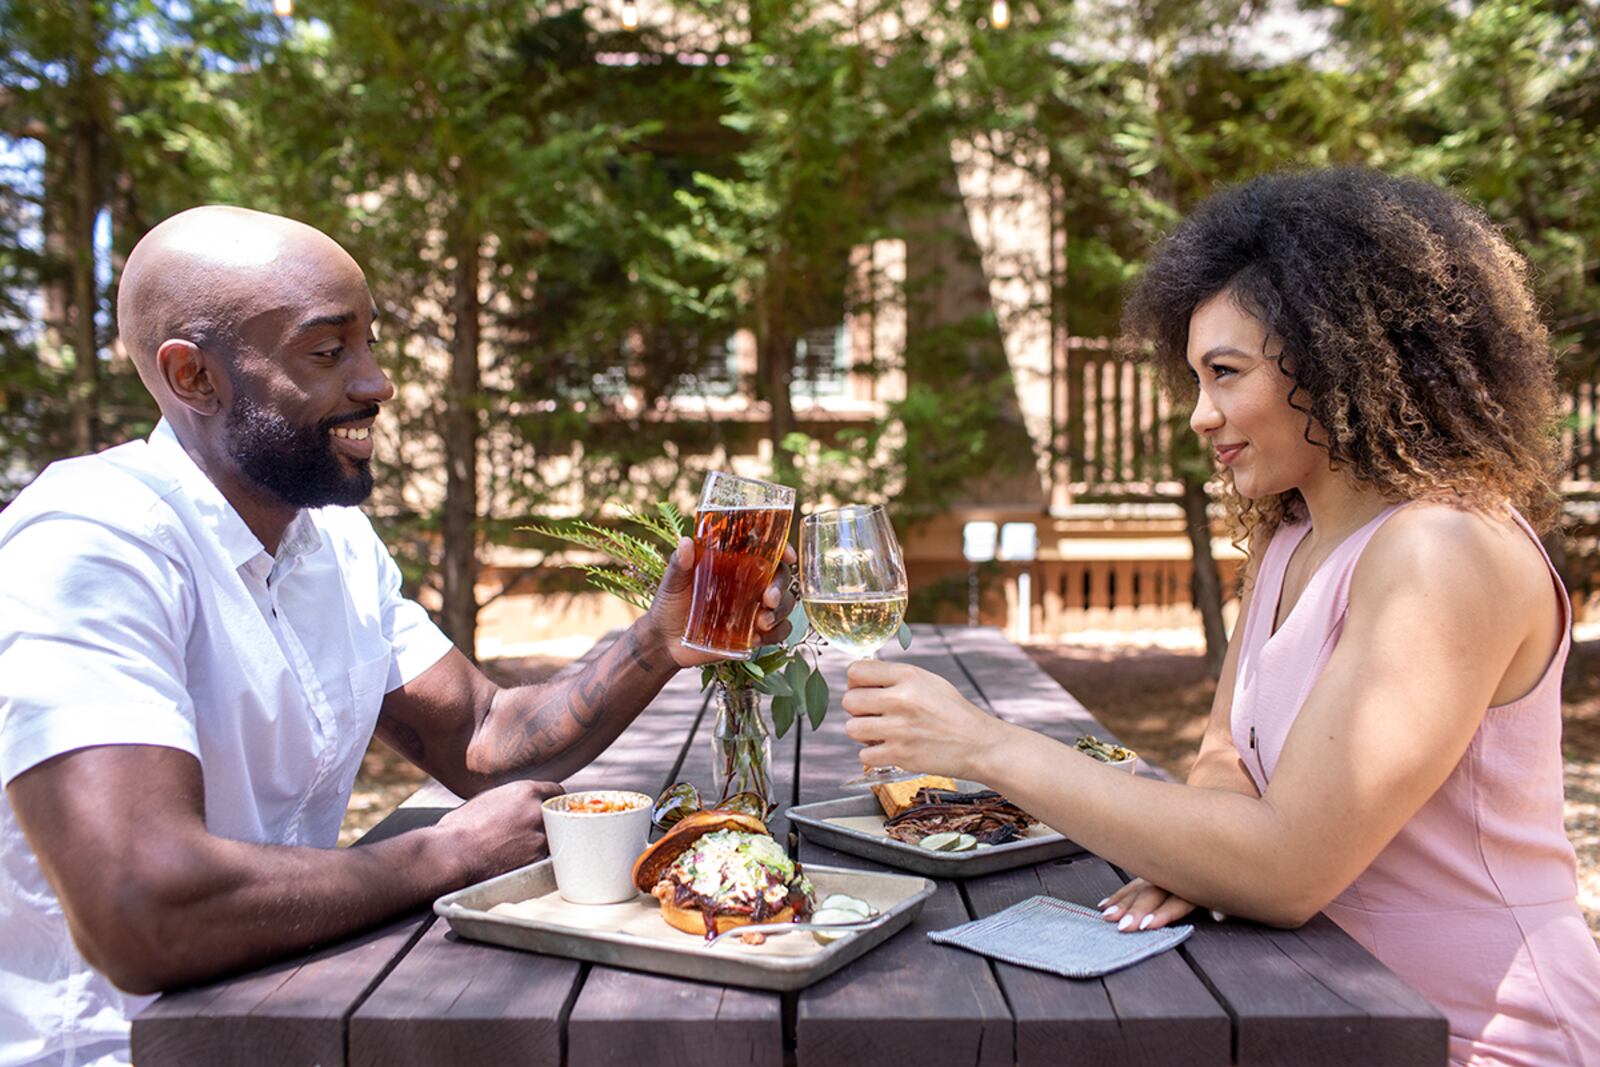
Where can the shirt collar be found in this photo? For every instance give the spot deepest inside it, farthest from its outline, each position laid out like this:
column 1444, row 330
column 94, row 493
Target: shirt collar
column 238, row 542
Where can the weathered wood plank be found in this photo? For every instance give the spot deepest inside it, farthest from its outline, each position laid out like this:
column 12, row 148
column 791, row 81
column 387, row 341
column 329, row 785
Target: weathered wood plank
column 1155, row 1012
column 1397, row 1025
column 1409, row 1029
column 452, row 1001
column 500, row 1002
column 1017, row 689
column 1284, row 1012
column 908, row 1000
column 288, row 1013
column 623, row 1015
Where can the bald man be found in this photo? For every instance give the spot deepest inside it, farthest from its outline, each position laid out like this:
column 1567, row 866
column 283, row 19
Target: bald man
column 198, row 636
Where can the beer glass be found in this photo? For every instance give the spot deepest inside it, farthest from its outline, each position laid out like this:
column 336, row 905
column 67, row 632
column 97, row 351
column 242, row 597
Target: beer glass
column 853, row 584
column 739, row 533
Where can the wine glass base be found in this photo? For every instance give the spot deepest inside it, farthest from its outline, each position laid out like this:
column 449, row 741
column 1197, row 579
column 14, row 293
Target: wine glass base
column 879, row 776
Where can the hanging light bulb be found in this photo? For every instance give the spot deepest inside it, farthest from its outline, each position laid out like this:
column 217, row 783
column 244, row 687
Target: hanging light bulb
column 283, row 8
column 1000, row 14
column 630, row 16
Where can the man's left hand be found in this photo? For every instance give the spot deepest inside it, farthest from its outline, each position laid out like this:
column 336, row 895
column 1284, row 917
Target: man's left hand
column 669, row 611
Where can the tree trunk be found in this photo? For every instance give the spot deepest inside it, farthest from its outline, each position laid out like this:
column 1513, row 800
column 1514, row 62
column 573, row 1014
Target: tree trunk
column 776, row 359
column 85, row 402
column 1204, row 579
column 458, row 526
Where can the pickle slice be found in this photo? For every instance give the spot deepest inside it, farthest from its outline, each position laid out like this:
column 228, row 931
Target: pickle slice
column 833, row 917
column 846, row 902
column 949, row 841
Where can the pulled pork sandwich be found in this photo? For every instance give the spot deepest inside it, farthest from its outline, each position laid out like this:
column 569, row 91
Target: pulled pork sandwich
column 716, row 870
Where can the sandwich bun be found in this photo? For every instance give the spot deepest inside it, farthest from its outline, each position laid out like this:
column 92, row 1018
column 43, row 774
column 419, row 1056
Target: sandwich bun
column 692, row 921
column 650, row 874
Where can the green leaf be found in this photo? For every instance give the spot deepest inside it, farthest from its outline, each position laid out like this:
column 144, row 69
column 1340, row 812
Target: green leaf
column 816, row 698
column 782, row 714
column 799, row 622
column 771, row 657
column 795, row 674
column 753, row 669
column 776, row 684
column 904, row 635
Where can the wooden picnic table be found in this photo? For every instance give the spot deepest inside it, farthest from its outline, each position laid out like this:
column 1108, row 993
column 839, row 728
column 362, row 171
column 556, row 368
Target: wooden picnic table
column 412, row 993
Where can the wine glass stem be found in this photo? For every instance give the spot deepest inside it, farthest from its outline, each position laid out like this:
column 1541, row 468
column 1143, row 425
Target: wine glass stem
column 872, row 775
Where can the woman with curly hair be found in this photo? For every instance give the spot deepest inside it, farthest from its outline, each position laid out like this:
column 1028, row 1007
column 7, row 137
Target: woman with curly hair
column 1364, row 358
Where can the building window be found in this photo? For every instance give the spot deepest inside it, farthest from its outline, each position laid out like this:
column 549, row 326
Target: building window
column 717, row 373
column 821, row 363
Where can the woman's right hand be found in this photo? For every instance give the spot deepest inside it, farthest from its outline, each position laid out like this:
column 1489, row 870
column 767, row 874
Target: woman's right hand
column 1141, row 905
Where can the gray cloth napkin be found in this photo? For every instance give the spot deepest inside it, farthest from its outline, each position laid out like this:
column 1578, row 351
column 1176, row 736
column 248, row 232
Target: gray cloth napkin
column 1054, row 935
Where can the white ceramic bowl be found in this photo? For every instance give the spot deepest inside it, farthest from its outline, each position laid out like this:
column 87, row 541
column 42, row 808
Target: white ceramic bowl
column 593, row 852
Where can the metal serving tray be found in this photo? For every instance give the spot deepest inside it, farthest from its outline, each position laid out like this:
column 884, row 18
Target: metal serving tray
column 521, row 909
column 855, row 825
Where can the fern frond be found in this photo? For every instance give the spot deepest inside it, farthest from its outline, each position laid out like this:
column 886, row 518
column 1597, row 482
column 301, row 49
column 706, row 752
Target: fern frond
column 632, row 552
column 673, row 518
column 619, row 585
column 663, row 528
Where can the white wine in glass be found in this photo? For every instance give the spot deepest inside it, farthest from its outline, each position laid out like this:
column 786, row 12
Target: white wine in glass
column 857, row 625
column 853, row 584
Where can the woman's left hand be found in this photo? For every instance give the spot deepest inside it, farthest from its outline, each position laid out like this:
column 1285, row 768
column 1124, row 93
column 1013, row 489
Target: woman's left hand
column 1143, row 905
column 910, row 718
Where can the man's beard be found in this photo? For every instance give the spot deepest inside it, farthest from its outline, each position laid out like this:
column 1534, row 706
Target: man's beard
column 296, row 464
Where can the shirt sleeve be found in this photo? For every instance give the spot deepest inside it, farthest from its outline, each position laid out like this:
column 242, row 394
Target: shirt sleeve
column 415, row 642
column 93, row 627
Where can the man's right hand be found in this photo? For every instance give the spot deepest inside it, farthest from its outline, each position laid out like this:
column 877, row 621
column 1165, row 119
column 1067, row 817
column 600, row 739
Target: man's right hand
column 500, row 829
column 154, row 900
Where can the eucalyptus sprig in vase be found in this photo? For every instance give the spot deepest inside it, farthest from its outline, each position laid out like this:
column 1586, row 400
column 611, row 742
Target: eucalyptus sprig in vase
column 787, row 673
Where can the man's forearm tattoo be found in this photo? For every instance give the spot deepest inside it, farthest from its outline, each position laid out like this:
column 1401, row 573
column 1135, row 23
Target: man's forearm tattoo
column 563, row 718
column 636, row 653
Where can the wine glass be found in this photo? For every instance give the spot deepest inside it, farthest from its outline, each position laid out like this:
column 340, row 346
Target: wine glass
column 853, row 585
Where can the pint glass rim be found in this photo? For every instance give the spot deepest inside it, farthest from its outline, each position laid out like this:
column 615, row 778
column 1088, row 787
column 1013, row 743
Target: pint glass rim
column 783, row 496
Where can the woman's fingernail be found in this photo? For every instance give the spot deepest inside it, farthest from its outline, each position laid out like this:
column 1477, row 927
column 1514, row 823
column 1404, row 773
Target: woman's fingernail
column 1111, row 912
column 1126, row 923
column 1103, row 902
column 1217, row 916
column 1144, row 924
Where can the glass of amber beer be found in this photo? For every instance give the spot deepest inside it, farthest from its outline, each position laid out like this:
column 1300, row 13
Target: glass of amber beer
column 739, row 534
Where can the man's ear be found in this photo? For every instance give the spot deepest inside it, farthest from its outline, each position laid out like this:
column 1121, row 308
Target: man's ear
column 190, row 375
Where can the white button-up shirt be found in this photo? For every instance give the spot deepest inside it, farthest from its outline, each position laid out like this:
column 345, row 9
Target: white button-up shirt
column 136, row 607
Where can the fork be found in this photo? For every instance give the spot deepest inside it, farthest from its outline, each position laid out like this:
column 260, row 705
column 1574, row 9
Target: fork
column 778, row 929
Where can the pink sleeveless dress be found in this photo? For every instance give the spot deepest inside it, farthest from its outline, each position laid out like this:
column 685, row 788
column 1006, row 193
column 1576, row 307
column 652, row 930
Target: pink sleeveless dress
column 1474, row 902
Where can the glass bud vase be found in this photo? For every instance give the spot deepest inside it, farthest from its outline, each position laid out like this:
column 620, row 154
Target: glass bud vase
column 741, row 745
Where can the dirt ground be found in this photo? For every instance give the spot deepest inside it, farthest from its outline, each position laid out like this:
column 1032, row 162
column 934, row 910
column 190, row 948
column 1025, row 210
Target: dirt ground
column 1153, row 698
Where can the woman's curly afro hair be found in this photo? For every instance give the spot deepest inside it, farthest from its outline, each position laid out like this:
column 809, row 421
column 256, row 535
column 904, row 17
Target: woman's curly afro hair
column 1407, row 325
